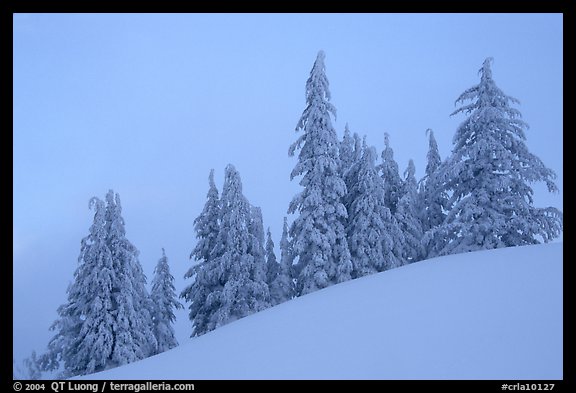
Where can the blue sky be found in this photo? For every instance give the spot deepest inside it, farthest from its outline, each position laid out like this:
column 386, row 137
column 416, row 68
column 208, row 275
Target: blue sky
column 147, row 104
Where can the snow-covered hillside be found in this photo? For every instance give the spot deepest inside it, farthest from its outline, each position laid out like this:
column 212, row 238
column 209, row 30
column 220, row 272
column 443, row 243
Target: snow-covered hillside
column 485, row 315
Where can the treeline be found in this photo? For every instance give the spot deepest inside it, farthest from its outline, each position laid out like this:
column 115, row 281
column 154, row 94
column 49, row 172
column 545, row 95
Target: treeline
column 356, row 215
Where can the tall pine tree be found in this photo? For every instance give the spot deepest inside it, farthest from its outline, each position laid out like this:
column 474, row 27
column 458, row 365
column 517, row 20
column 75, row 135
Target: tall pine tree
column 204, row 292
column 318, row 234
column 488, row 177
column 84, row 340
column 134, row 334
column 164, row 297
column 106, row 321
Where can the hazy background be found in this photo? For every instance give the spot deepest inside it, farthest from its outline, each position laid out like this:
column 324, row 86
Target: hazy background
column 147, row 104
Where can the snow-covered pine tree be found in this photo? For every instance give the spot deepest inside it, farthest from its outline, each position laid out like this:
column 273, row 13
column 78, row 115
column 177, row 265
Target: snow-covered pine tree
column 407, row 215
column 204, row 292
column 432, row 196
column 272, row 265
column 85, row 331
column 164, row 297
column 352, row 155
column 107, row 321
column 318, row 234
column 351, row 176
column 134, row 337
column 256, row 229
column 391, row 175
column 245, row 290
column 374, row 237
column 278, row 276
column 488, row 174
column 283, row 287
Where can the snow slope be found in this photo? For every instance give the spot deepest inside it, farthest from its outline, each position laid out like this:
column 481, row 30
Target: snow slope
column 485, row 315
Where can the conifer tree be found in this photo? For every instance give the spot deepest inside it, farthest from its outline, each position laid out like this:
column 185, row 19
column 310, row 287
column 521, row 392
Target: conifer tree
column 390, row 175
column 374, row 237
column 164, row 297
column 318, row 234
column 203, row 293
column 488, row 177
column 241, row 272
column 407, row 215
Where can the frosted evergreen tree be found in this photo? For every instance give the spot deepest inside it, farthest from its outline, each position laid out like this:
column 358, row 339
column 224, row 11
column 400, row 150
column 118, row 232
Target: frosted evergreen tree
column 164, row 297
column 408, row 216
column 256, row 229
column 134, row 337
column 245, row 290
column 488, row 177
column 87, row 324
column 374, row 237
column 107, row 321
column 203, row 293
column 432, row 196
column 284, row 287
column 318, row 234
column 391, row 175
column 352, row 156
column 279, row 274
column 207, row 225
column 272, row 265
column 286, row 252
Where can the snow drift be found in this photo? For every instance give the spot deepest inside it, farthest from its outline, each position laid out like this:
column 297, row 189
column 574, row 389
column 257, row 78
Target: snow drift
column 484, row 315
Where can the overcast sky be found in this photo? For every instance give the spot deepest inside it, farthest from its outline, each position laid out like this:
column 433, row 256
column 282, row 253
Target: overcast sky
column 147, row 104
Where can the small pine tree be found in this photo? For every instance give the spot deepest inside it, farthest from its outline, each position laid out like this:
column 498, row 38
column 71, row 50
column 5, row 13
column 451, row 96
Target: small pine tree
column 279, row 277
column 318, row 234
column 407, row 215
column 164, row 297
column 283, row 288
column 256, row 229
column 433, row 197
column 203, row 293
column 390, row 175
column 272, row 265
column 487, row 177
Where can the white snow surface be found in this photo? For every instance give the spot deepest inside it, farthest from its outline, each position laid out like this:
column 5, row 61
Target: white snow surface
column 482, row 315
